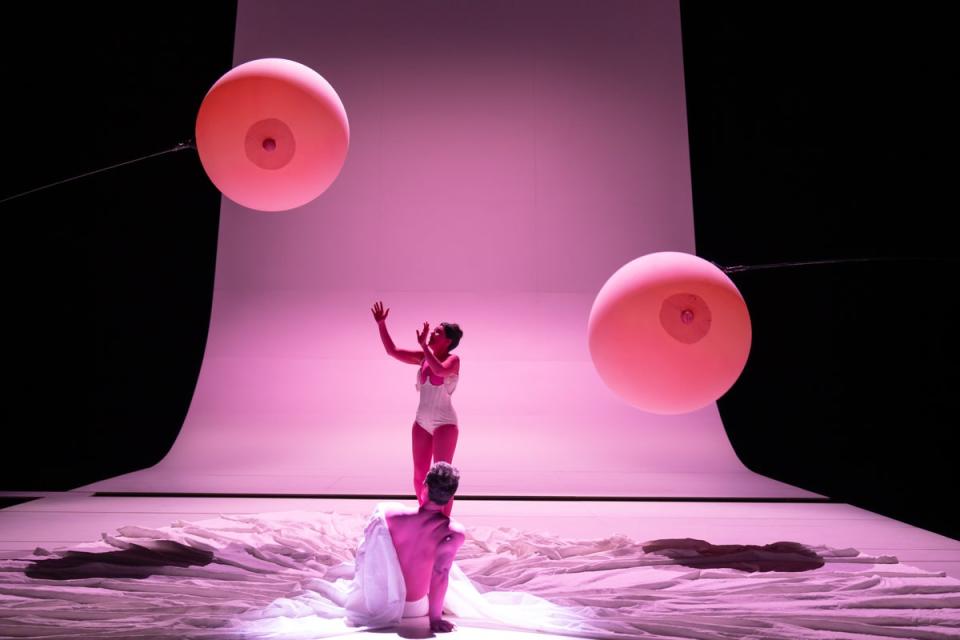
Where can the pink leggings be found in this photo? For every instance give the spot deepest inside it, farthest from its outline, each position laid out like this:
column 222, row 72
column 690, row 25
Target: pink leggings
column 428, row 449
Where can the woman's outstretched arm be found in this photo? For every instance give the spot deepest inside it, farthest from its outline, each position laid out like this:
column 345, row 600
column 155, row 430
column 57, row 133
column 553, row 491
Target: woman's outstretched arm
column 410, row 357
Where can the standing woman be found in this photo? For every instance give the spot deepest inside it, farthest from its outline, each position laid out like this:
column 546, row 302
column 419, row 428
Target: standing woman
column 435, row 427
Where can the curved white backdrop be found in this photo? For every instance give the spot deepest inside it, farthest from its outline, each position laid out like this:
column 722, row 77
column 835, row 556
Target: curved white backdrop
column 505, row 159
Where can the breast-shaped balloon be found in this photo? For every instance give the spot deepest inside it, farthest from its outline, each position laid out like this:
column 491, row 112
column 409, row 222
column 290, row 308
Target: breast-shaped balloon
column 669, row 333
column 272, row 134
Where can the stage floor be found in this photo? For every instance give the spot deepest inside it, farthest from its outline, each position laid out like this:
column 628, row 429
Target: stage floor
column 65, row 519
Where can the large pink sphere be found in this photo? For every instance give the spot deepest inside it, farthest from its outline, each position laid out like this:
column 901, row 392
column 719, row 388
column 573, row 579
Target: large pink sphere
column 669, row 333
column 272, row 134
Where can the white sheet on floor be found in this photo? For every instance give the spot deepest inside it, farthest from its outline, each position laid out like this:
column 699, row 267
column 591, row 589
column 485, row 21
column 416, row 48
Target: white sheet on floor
column 287, row 575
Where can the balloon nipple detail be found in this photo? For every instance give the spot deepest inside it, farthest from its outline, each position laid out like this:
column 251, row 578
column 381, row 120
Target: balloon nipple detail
column 270, row 144
column 686, row 317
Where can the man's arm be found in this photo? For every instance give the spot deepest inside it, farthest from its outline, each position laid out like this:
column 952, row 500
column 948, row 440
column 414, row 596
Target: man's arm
column 446, row 552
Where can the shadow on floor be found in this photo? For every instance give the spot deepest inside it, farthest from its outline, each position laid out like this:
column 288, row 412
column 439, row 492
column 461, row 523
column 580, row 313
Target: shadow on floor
column 139, row 561
column 700, row 554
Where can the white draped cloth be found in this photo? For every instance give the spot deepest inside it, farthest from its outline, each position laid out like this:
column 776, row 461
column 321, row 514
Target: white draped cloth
column 377, row 593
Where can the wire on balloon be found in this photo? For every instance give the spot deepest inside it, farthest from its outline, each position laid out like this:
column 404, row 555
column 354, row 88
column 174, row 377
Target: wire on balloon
column 180, row 146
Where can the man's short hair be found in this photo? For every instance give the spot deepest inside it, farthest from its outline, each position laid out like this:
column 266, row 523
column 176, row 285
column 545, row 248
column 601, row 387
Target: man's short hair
column 442, row 482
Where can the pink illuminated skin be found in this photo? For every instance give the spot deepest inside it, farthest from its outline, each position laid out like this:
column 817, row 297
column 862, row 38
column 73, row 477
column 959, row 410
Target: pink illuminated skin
column 435, row 364
column 426, row 543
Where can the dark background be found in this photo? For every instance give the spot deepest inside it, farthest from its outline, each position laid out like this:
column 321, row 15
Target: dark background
column 817, row 132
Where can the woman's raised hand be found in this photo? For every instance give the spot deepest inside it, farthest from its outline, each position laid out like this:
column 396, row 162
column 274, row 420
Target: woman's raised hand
column 378, row 313
column 422, row 336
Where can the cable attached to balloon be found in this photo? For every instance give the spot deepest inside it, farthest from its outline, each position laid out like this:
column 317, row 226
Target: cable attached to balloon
column 180, row 146
column 271, row 134
column 775, row 265
column 669, row 332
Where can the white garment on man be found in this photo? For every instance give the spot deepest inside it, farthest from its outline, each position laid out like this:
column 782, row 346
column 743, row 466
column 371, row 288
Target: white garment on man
column 377, row 595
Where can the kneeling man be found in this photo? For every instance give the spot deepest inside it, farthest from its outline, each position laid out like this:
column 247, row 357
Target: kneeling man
column 404, row 560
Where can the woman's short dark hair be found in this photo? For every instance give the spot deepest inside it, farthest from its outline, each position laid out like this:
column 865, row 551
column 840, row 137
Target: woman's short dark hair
column 442, row 482
column 453, row 333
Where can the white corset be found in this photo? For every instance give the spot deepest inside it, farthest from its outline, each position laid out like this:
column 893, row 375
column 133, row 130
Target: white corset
column 449, row 383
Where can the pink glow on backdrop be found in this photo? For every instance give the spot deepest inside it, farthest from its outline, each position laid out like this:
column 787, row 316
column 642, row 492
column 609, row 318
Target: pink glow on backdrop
column 506, row 158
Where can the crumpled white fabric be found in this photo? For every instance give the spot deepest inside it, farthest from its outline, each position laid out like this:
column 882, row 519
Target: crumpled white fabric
column 288, row 576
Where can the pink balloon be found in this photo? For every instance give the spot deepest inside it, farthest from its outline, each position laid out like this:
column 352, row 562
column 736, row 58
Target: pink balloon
column 272, row 134
column 669, row 333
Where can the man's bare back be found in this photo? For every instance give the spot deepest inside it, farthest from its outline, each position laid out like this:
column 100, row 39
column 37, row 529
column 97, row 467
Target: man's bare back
column 426, row 542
